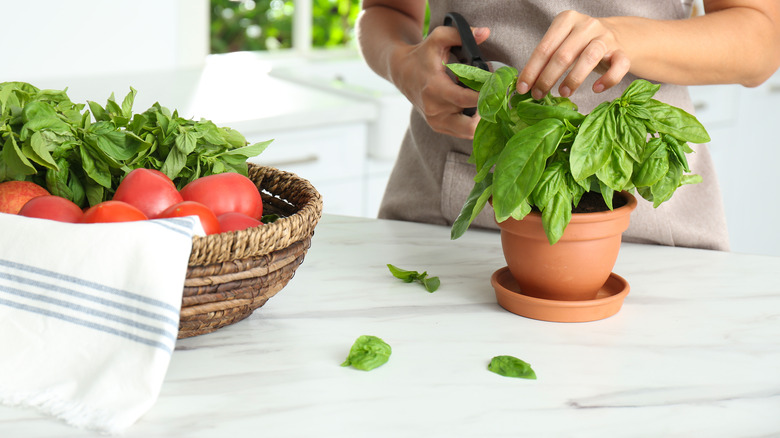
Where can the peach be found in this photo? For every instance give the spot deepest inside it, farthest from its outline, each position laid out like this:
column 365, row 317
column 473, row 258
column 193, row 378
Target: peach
column 14, row 194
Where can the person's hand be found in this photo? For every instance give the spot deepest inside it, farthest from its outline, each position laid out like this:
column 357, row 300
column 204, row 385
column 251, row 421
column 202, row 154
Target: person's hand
column 420, row 74
column 579, row 44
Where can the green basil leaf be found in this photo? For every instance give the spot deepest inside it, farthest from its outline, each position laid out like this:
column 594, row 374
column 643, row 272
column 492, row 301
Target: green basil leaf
column 616, row 172
column 174, row 163
column 470, row 76
column 78, row 195
column 94, row 192
column 430, row 283
column 654, row 164
column 40, row 115
column 115, row 146
column 39, row 148
column 577, row 188
column 521, row 210
column 607, row 194
column 488, row 143
column 210, row 133
column 474, row 204
column 668, row 119
column 665, row 187
column 402, row 274
column 563, row 102
column 553, row 180
column 594, row 142
column 638, row 112
column 367, row 353
column 127, row 104
column 96, row 170
column 556, row 215
column 98, row 112
column 531, row 112
column 186, row 141
column 233, row 138
column 521, row 164
column 632, row 135
column 248, row 151
column 639, row 92
column 677, row 150
column 57, row 181
column 494, row 95
column 645, row 193
column 510, row 366
column 691, row 179
column 17, row 165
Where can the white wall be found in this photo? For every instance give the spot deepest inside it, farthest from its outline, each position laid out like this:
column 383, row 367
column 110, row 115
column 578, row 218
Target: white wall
column 48, row 38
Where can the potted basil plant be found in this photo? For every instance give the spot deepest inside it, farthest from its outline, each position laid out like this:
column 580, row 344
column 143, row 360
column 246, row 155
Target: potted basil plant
column 539, row 162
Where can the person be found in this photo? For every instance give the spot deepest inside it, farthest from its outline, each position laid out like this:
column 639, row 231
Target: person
column 588, row 51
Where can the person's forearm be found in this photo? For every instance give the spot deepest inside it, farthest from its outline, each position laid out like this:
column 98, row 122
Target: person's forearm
column 383, row 33
column 736, row 45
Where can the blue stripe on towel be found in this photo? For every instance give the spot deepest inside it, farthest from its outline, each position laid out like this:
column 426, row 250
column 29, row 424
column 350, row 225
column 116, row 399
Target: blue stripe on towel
column 88, row 324
column 49, row 287
column 89, row 311
column 181, row 225
column 91, row 284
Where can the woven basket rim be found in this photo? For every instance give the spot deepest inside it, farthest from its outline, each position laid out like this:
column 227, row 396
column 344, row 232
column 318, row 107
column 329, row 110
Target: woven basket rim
column 304, row 201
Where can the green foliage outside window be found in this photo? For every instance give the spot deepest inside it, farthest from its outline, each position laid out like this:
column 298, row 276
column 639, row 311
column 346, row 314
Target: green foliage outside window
column 250, row 25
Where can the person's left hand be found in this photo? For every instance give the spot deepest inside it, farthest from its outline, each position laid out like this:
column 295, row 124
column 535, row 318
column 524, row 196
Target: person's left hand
column 579, row 44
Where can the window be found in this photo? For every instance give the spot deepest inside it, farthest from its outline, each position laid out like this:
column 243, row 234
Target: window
column 252, row 25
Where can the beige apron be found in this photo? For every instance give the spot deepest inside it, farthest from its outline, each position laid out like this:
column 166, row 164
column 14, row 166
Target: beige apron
column 431, row 178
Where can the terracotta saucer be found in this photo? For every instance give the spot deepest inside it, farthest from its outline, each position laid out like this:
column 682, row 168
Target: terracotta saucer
column 607, row 303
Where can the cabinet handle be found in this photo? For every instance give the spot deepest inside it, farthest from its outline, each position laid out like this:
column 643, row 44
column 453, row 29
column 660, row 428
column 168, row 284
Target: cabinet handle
column 774, row 88
column 306, row 159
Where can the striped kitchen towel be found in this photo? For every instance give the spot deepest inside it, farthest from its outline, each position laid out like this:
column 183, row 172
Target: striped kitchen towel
column 89, row 315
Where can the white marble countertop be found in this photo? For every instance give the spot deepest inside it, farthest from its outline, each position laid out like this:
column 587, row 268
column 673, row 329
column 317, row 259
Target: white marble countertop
column 694, row 351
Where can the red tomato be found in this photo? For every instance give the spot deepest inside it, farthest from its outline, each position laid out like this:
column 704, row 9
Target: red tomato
column 224, row 193
column 112, row 211
column 148, row 190
column 191, row 208
column 233, row 221
column 52, row 207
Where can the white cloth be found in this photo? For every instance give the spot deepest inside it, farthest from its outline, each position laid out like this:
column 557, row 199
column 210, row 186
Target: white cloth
column 89, row 315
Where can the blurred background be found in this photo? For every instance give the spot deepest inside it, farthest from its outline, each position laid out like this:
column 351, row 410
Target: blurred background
column 290, row 71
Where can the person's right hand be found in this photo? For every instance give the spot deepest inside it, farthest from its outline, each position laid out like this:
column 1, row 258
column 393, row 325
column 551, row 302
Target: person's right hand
column 420, row 74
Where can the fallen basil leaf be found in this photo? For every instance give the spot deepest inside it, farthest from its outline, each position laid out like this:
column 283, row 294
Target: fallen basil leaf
column 430, row 283
column 510, row 366
column 367, row 353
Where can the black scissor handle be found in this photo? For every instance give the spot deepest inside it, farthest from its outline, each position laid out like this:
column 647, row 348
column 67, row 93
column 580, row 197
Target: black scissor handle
column 468, row 52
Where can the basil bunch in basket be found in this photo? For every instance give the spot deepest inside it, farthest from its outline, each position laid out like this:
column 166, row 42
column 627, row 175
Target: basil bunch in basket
column 546, row 155
column 48, row 139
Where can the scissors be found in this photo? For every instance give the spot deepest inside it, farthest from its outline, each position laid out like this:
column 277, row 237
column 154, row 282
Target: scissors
column 468, row 52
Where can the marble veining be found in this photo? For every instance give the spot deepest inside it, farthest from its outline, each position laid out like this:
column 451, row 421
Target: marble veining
column 693, row 353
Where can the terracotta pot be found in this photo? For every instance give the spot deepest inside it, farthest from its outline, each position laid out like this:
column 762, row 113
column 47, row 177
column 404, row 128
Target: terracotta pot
column 575, row 267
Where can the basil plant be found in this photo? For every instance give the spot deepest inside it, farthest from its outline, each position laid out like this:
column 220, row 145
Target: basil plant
column 545, row 154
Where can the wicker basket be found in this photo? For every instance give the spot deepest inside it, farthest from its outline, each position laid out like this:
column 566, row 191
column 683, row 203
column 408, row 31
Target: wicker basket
column 231, row 274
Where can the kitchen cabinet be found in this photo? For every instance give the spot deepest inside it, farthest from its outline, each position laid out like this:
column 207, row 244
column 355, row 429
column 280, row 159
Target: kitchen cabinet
column 745, row 148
